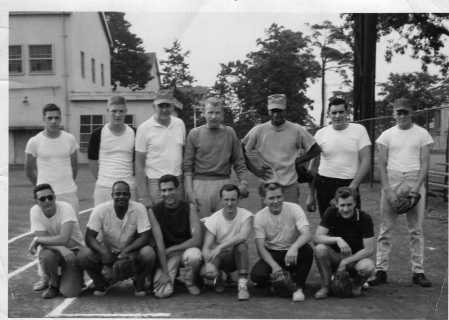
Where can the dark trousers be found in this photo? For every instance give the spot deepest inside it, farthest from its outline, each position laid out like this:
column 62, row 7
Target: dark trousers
column 325, row 191
column 261, row 271
column 235, row 259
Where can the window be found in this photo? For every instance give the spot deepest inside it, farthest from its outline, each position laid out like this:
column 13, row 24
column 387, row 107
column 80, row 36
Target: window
column 41, row 59
column 92, row 62
column 88, row 123
column 15, row 59
column 102, row 74
column 83, row 67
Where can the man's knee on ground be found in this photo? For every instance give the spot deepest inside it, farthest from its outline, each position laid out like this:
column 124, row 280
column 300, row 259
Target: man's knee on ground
column 192, row 257
column 321, row 251
column 365, row 267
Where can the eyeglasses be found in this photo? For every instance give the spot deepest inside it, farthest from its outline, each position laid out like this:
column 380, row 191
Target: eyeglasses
column 402, row 112
column 121, row 194
column 50, row 197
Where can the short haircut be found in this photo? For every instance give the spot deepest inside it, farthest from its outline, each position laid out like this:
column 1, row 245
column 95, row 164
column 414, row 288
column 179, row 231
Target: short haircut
column 40, row 187
column 344, row 193
column 337, row 102
column 214, row 101
column 50, row 107
column 169, row 178
column 117, row 100
column 121, row 182
column 229, row 187
column 263, row 188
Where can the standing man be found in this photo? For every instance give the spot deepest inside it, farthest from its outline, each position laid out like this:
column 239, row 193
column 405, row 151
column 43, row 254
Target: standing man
column 181, row 231
column 57, row 240
column 111, row 151
column 278, row 143
column 51, row 157
column 159, row 146
column 345, row 156
column 210, row 152
column 404, row 152
column 282, row 239
column 344, row 242
column 225, row 243
column 117, row 237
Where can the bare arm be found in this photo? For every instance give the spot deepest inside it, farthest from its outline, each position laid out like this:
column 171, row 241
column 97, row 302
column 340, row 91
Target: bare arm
column 383, row 160
column 141, row 240
column 93, row 167
column 313, row 151
column 365, row 156
column 74, row 164
column 141, row 180
column 209, row 239
column 368, row 250
column 424, row 167
column 304, row 237
column 195, row 230
column 59, row 240
column 93, row 244
column 157, row 234
column 266, row 256
column 240, row 237
column 31, row 168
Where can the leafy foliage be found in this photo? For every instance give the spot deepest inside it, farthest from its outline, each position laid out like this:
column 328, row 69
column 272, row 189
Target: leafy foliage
column 130, row 66
column 175, row 69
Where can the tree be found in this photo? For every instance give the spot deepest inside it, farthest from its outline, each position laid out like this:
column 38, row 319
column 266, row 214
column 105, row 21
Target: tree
column 175, row 69
column 282, row 64
column 335, row 55
column 130, row 66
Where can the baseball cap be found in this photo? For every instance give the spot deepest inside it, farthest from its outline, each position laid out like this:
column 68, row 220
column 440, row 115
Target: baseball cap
column 277, row 101
column 116, row 100
column 403, row 104
column 166, row 96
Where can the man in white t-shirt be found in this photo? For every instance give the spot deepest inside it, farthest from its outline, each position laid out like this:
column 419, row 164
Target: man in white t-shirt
column 51, row 157
column 117, row 234
column 111, row 151
column 159, row 147
column 404, row 152
column 225, row 244
column 345, row 157
column 282, row 239
column 57, row 240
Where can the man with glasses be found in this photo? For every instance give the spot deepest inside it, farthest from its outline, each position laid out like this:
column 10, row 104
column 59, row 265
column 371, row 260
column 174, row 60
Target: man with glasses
column 51, row 157
column 159, row 146
column 57, row 240
column 345, row 156
column 117, row 237
column 404, row 154
column 111, row 151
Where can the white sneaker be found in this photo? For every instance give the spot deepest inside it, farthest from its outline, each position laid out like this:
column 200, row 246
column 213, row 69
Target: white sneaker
column 243, row 293
column 298, row 295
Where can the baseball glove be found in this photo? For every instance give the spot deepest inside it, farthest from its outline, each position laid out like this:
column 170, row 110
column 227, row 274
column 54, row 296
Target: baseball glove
column 341, row 284
column 209, row 273
column 282, row 284
column 406, row 202
column 123, row 269
column 304, row 175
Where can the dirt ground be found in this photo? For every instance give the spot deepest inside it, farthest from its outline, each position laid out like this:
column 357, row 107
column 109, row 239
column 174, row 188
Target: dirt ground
column 398, row 299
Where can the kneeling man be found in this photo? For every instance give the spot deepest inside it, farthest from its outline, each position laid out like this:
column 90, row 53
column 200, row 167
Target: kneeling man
column 225, row 243
column 117, row 236
column 344, row 241
column 282, row 239
column 57, row 240
column 181, row 231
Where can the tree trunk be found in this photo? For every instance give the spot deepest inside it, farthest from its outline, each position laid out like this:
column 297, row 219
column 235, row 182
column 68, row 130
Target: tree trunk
column 323, row 94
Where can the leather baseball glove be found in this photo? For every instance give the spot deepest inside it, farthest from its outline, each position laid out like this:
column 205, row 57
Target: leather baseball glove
column 123, row 269
column 282, row 284
column 406, row 202
column 341, row 284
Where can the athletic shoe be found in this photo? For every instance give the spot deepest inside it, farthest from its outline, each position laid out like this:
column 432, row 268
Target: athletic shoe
column 298, row 296
column 50, row 293
column 186, row 276
column 379, row 278
column 139, row 290
column 101, row 291
column 243, row 293
column 323, row 293
column 219, row 284
column 420, row 279
column 42, row 284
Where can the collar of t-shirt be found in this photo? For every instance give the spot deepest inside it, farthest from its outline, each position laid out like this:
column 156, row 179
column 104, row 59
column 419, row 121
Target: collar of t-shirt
column 355, row 217
column 157, row 124
column 278, row 128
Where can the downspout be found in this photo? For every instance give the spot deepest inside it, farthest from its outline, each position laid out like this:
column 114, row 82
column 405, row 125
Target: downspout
column 65, row 74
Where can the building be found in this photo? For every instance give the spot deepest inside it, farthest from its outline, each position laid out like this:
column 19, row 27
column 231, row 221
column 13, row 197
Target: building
column 51, row 60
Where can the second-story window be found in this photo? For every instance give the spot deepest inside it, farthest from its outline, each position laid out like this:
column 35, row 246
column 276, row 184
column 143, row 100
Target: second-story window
column 83, row 66
column 92, row 62
column 41, row 59
column 15, row 59
column 102, row 74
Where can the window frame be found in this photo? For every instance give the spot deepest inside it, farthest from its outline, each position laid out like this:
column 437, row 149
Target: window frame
column 83, row 64
column 22, row 56
column 90, row 126
column 102, row 74
column 92, row 69
column 52, row 58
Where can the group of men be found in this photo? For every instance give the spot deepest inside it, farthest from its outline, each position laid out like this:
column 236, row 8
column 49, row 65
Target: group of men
column 185, row 223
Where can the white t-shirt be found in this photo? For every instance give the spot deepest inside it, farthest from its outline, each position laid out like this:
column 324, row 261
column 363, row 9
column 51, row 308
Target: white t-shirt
column 64, row 213
column 224, row 229
column 113, row 231
column 404, row 147
column 340, row 150
column 163, row 146
column 53, row 160
column 282, row 230
column 116, row 157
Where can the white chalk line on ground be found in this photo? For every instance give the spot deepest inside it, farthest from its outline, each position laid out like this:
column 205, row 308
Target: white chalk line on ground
column 114, row 315
column 57, row 312
column 23, row 235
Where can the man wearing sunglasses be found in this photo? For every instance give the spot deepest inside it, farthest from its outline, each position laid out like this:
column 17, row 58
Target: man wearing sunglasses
column 344, row 160
column 57, row 241
column 404, row 152
column 117, row 237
